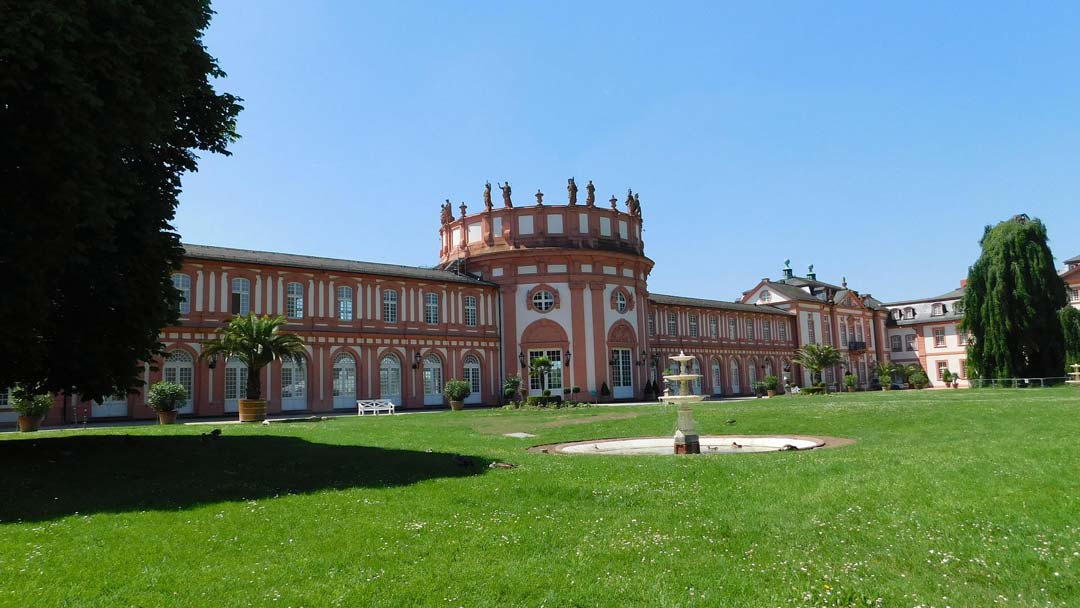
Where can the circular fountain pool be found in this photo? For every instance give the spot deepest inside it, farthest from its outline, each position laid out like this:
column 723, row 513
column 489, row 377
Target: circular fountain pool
column 710, row 444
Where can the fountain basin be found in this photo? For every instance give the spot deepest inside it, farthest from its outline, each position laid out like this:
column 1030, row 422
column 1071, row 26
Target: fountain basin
column 710, row 444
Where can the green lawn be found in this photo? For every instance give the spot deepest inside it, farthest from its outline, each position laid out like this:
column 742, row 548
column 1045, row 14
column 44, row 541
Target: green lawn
column 948, row 498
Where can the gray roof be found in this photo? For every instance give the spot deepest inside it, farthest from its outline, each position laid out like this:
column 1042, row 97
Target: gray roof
column 792, row 292
column 665, row 300
column 951, row 295
column 310, row 262
column 1073, row 260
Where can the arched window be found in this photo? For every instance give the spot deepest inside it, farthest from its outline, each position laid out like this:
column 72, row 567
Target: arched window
column 695, row 368
column 433, row 380
column 344, row 304
column 294, row 301
column 241, row 297
column 390, row 379
column 180, row 368
column 344, row 381
column 717, row 377
column 769, row 368
column 472, row 376
column 735, row 385
column 751, row 372
column 293, row 385
column 389, row 306
column 765, row 296
column 431, row 308
column 620, row 302
column 182, row 283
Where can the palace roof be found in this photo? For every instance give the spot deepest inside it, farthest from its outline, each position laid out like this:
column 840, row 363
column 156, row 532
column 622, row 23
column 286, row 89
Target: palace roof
column 666, row 300
column 310, row 262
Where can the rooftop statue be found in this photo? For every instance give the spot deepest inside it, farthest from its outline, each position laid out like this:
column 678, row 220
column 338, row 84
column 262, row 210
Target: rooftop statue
column 787, row 264
column 590, row 194
column 629, row 200
column 463, row 208
column 571, row 189
column 487, row 196
column 614, row 202
column 810, row 269
column 539, row 198
column 635, row 209
column 447, row 212
column 506, row 195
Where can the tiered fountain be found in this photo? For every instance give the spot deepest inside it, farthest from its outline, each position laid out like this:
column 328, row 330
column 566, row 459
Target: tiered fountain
column 1075, row 375
column 686, row 437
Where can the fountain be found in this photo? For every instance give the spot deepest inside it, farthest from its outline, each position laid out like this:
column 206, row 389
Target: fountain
column 684, row 378
column 1075, row 375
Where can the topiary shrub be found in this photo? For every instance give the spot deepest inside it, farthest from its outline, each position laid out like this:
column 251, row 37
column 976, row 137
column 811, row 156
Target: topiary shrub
column 457, row 390
column 604, row 390
column 166, row 396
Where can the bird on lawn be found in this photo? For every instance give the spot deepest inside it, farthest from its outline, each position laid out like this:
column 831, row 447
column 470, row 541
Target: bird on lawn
column 735, row 445
column 788, row 447
column 211, row 436
column 729, row 421
column 501, row 465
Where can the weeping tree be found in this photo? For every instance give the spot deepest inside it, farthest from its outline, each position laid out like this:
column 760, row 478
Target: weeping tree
column 1011, row 304
column 1070, row 327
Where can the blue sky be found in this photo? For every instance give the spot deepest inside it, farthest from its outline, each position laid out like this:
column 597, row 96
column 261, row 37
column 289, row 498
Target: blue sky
column 874, row 141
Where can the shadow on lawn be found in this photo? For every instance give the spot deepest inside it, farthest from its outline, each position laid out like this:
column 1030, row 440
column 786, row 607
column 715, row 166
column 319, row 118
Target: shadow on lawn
column 53, row 477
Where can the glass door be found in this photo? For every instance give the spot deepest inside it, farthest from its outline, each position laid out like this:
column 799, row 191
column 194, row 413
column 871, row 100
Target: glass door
column 622, row 374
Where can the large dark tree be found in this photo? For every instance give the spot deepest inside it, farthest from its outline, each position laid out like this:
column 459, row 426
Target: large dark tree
column 1070, row 327
column 103, row 107
column 1011, row 304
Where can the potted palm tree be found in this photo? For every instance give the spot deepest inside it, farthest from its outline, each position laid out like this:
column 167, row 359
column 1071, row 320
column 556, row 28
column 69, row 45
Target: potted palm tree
column 257, row 342
column 850, row 382
column 456, row 391
column 885, row 372
column 31, row 407
column 771, row 383
column 816, row 357
column 165, row 398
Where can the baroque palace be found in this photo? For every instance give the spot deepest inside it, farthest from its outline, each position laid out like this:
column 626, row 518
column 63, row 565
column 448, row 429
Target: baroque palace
column 568, row 282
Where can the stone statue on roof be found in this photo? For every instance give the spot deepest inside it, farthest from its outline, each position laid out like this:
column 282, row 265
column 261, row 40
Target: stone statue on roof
column 629, row 200
column 487, row 196
column 571, row 190
column 614, row 202
column 506, row 195
column 463, row 208
column 810, row 269
column 539, row 198
column 447, row 212
column 787, row 264
column 635, row 209
column 590, row 194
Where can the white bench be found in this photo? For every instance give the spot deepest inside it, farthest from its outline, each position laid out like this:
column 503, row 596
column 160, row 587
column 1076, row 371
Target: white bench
column 374, row 406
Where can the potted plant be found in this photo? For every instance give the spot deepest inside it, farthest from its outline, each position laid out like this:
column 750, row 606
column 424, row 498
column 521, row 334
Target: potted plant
column 759, row 389
column 456, row 391
column 816, row 358
column 257, row 342
column 918, row 379
column 850, row 382
column 946, row 377
column 771, row 383
column 512, row 388
column 885, row 373
column 31, row 408
column 165, row 398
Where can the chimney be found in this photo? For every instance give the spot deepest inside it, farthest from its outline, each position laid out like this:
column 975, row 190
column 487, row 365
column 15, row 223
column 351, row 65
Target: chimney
column 788, row 272
column 963, row 283
column 811, row 274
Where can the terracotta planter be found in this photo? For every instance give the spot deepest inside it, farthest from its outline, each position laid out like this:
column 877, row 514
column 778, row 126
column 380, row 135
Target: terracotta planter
column 252, row 410
column 168, row 417
column 851, row 389
column 770, row 393
column 29, row 424
column 457, row 406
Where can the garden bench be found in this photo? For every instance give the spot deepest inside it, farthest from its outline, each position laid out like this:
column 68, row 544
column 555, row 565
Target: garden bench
column 374, row 406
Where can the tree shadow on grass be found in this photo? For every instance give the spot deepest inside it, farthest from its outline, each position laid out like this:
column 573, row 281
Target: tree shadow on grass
column 53, row 477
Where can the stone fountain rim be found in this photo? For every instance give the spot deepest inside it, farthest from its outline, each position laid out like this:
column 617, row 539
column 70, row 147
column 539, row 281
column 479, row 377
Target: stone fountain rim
column 823, row 442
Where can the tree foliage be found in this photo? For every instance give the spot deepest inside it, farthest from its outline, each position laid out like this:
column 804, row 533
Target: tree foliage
column 1011, row 304
column 257, row 342
column 103, row 106
column 1070, row 327
column 816, row 357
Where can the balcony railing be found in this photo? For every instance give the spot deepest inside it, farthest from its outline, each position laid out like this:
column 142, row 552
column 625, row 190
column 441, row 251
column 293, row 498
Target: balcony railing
column 856, row 345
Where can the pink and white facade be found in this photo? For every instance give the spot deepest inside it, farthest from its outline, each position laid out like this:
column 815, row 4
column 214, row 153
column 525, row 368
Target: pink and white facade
column 568, row 282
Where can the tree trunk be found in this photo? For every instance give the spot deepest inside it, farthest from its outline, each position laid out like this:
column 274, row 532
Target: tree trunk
column 254, row 383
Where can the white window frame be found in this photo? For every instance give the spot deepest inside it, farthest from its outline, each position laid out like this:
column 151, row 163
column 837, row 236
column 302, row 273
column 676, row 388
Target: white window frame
column 345, row 303
column 390, row 307
column 294, row 300
column 672, row 324
column 543, row 301
column 620, row 302
column 182, row 283
column 242, row 287
column 470, row 311
column 693, row 323
column 431, row 308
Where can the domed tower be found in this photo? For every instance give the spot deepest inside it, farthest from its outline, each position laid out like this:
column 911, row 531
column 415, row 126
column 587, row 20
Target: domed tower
column 572, row 284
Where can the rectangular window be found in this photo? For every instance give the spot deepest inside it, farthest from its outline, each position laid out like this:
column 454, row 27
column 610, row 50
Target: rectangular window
column 732, row 328
column 782, row 329
column 672, row 324
column 749, row 329
column 843, row 332
column 909, row 342
column 652, row 322
column 827, row 329
column 714, row 327
column 693, row 326
column 431, row 308
column 963, row 369
column 1074, row 294
column 470, row 311
column 241, row 297
column 939, row 337
column 4, row 403
column 294, row 300
column 553, row 381
column 941, row 367
column 389, row 306
column 894, row 344
column 811, row 331
column 963, row 336
column 766, row 330
column 858, row 331
column 182, row 283
column 344, row 304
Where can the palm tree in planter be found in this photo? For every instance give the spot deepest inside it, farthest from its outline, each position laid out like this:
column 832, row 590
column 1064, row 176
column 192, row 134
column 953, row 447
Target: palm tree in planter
column 816, row 357
column 257, row 342
column 885, row 372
